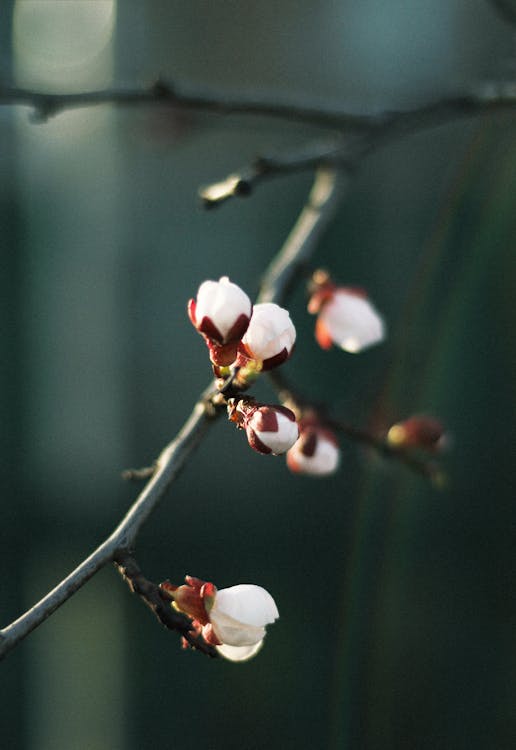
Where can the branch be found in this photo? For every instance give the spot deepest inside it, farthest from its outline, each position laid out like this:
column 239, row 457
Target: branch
column 486, row 100
column 299, row 245
column 168, row 465
column 325, row 196
column 427, row 469
column 342, row 152
column 375, row 131
column 46, row 105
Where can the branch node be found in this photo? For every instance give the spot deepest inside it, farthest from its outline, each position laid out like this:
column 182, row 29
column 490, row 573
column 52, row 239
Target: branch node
column 139, row 474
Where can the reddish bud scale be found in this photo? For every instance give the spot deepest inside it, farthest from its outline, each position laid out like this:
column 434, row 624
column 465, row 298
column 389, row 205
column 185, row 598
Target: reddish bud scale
column 194, row 598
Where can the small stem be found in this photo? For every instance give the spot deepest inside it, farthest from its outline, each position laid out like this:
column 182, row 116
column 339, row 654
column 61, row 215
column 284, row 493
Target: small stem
column 150, row 594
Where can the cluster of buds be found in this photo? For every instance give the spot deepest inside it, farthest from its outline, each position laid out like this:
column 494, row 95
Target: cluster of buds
column 345, row 316
column 247, row 341
column 419, row 431
column 233, row 619
column 258, row 338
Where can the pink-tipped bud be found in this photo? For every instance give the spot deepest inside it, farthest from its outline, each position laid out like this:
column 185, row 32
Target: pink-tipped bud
column 270, row 428
column 270, row 337
column 316, row 453
column 221, row 313
column 346, row 316
column 419, row 431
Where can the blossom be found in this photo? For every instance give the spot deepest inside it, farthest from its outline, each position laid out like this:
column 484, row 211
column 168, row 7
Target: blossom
column 221, row 313
column 317, row 452
column 270, row 337
column 418, row 431
column 346, row 316
column 233, row 619
column 270, row 428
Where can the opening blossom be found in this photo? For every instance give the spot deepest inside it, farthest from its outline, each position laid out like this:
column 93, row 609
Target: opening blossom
column 316, row 453
column 346, row 316
column 270, row 337
column 233, row 619
column 221, row 313
column 270, row 428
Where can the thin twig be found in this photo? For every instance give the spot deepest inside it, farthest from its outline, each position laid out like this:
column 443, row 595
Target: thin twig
column 46, row 105
column 150, row 594
column 338, row 151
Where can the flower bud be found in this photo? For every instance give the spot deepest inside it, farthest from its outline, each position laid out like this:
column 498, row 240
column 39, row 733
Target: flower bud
column 269, row 338
column 231, row 619
column 270, row 428
column 419, row 431
column 221, row 313
column 316, row 453
column 239, row 614
column 346, row 317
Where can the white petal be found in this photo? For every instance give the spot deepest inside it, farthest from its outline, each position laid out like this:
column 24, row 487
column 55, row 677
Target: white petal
column 223, row 302
column 239, row 653
column 281, row 440
column 324, row 461
column 233, row 632
column 270, row 331
column 352, row 321
column 247, row 603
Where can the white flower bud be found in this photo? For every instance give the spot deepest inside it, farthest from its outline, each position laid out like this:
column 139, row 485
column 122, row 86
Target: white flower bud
column 272, row 429
column 349, row 320
column 239, row 615
column 316, row 453
column 270, row 336
column 221, row 310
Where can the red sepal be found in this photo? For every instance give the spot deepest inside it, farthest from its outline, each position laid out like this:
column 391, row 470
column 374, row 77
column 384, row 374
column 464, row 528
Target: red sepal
column 322, row 335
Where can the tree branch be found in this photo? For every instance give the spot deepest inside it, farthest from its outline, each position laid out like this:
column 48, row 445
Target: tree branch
column 168, row 465
column 325, row 196
column 488, row 99
column 299, row 245
column 346, row 151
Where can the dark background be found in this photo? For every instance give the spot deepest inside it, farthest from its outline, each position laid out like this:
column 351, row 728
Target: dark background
column 396, row 600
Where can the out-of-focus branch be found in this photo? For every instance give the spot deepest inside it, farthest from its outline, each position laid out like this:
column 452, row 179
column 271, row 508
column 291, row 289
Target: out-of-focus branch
column 486, row 100
column 424, row 467
column 338, row 151
column 162, row 93
column 373, row 439
column 327, row 191
column 374, row 132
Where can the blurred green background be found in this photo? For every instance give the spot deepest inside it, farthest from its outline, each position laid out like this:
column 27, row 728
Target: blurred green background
column 396, row 600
